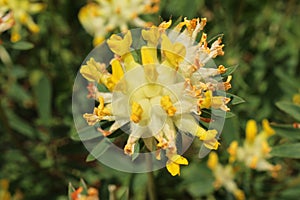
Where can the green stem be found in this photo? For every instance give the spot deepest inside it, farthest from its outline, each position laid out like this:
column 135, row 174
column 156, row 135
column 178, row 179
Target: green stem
column 151, row 182
column 151, row 186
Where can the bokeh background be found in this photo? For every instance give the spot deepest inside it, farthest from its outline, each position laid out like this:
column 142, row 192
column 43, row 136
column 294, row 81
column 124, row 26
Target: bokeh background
column 40, row 155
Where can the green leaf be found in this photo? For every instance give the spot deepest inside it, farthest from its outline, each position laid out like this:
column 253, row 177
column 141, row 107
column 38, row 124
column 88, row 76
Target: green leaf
column 230, row 70
column 150, row 143
column 71, row 189
column 19, row 94
column 43, row 95
column 88, row 133
column 235, row 99
column 90, row 158
column 229, row 115
column 102, row 88
column 19, row 72
column 83, row 185
column 198, row 180
column 290, row 193
column 20, row 125
column 289, row 108
column 22, row 45
column 287, row 131
column 136, row 151
column 287, row 151
column 101, row 147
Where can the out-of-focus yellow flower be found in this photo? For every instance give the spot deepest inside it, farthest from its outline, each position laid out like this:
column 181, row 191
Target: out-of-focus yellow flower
column 5, row 194
column 296, row 99
column 6, row 21
column 21, row 11
column 224, row 176
column 102, row 16
column 163, row 92
column 255, row 150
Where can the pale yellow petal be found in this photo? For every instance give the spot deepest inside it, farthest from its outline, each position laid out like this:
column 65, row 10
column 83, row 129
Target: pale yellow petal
column 119, row 45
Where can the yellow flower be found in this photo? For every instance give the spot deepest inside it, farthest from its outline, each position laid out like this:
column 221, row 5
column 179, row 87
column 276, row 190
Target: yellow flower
column 22, row 11
column 296, row 99
column 224, row 176
column 255, row 150
column 161, row 91
column 100, row 17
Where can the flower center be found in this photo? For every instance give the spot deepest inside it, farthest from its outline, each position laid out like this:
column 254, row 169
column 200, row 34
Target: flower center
column 147, row 99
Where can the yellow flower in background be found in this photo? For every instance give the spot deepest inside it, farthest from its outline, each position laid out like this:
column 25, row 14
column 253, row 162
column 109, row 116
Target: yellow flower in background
column 161, row 94
column 296, row 99
column 21, row 11
column 103, row 16
column 6, row 21
column 224, row 176
column 5, row 193
column 255, row 150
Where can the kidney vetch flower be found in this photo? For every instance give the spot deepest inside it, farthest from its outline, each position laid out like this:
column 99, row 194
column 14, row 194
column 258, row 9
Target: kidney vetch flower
column 167, row 86
column 100, row 17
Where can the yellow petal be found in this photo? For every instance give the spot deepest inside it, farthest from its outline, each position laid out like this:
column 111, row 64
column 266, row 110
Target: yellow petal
column 92, row 70
column 117, row 71
column 167, row 105
column 149, row 55
column 174, row 53
column 212, row 161
column 36, row 7
column 232, row 150
column 251, row 131
column 180, row 160
column 211, row 144
column 119, row 45
column 129, row 62
column 296, row 99
column 165, row 25
column 267, row 128
column 206, row 135
column 136, row 112
column 173, row 168
column 206, row 102
column 239, row 195
column 151, row 36
column 98, row 40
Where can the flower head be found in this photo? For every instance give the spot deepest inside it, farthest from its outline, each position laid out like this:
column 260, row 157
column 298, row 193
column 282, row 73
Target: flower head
column 224, row 176
column 166, row 89
column 102, row 16
column 255, row 150
column 21, row 12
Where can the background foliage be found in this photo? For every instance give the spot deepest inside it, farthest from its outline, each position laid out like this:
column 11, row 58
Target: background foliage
column 39, row 158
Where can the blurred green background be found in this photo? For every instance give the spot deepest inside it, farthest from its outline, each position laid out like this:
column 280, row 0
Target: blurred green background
column 38, row 156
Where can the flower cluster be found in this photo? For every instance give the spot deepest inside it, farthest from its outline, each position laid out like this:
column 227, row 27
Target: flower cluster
column 168, row 90
column 92, row 194
column 255, row 149
column 100, row 17
column 6, row 21
column 224, row 176
column 20, row 11
column 5, row 191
